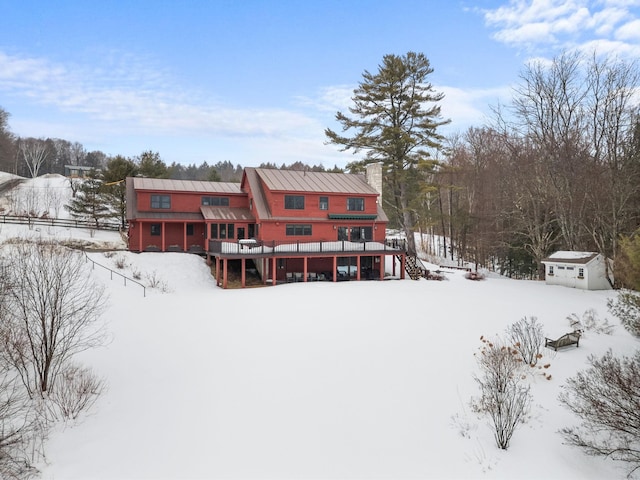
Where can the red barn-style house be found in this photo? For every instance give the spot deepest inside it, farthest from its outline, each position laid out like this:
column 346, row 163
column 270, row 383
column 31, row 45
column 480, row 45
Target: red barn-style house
column 282, row 225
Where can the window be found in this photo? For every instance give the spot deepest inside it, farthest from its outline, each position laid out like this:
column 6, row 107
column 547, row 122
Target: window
column 223, row 230
column 342, row 233
column 214, row 230
column 160, row 201
column 580, row 272
column 355, row 204
column 189, row 228
column 294, row 202
column 361, row 233
column 156, row 229
column 324, row 203
column 550, row 269
column 298, row 230
column 215, row 201
column 230, row 230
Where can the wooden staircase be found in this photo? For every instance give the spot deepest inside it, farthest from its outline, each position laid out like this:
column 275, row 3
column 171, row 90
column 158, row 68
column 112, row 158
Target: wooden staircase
column 416, row 269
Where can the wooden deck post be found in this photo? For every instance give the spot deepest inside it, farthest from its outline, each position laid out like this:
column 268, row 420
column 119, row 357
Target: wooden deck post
column 304, row 268
column 358, row 268
column 163, row 239
column 243, row 274
column 335, row 269
column 382, row 257
column 225, row 263
column 274, row 272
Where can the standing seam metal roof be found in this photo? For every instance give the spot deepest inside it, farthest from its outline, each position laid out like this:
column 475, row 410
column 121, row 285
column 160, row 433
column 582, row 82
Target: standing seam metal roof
column 143, row 183
column 318, row 182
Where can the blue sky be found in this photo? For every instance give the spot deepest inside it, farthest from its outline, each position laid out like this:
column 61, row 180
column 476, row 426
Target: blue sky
column 254, row 81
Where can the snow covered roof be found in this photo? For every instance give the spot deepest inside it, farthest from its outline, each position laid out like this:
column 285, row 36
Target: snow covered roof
column 568, row 256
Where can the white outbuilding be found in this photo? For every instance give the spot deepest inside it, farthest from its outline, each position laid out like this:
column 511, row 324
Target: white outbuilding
column 586, row 270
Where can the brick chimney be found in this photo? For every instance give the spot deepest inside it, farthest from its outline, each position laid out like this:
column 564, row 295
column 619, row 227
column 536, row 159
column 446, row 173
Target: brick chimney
column 374, row 178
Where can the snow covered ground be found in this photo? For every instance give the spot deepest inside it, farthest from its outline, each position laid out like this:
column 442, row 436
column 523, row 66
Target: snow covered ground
column 349, row 380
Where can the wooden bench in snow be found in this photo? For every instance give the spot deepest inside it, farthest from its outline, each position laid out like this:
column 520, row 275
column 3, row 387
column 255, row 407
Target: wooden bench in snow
column 565, row 340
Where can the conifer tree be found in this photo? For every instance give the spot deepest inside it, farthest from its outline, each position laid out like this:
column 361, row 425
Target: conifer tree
column 89, row 202
column 395, row 120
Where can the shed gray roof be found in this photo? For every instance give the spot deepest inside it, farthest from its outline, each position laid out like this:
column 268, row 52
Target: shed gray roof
column 318, row 182
column 142, row 183
column 577, row 258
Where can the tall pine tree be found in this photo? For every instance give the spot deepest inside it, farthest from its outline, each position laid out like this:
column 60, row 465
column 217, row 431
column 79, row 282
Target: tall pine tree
column 395, row 120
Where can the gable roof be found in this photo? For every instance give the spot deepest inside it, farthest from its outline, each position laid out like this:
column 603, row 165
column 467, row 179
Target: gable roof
column 567, row 256
column 314, row 182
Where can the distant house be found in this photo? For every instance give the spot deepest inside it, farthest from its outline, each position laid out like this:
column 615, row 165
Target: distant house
column 586, row 270
column 285, row 225
column 77, row 171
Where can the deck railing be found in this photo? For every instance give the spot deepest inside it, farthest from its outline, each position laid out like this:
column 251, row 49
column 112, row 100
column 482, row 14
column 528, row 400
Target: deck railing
column 256, row 247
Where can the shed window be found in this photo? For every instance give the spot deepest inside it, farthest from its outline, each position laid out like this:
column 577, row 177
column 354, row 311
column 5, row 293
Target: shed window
column 550, row 269
column 580, row 272
column 294, row 202
column 160, row 201
column 355, row 204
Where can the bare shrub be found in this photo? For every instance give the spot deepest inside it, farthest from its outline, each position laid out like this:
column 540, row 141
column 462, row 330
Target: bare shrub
column 502, row 395
column 75, row 391
column 52, row 312
column 626, row 307
column 120, row 262
column 137, row 275
column 590, row 322
column 606, row 398
column 155, row 281
column 527, row 338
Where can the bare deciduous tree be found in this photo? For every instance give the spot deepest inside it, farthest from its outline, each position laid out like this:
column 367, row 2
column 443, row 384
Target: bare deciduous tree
column 52, row 312
column 606, row 398
column 34, row 153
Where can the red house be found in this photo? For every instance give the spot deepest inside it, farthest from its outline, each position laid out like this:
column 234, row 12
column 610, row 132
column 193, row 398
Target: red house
column 284, row 225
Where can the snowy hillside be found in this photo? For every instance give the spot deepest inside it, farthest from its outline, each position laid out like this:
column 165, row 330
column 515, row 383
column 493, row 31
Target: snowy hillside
column 321, row 380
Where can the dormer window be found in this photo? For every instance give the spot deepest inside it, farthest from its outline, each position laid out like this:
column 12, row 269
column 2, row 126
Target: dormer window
column 161, row 201
column 294, row 202
column 355, row 204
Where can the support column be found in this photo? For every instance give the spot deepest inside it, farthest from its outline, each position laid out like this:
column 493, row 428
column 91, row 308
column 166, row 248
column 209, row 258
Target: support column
column 184, row 236
column 225, row 262
column 274, row 272
column 217, row 271
column 265, row 266
column 140, row 227
column 163, row 239
column 402, row 266
column 243, row 274
column 382, row 257
column 393, row 265
column 335, row 269
column 304, row 269
column 358, row 268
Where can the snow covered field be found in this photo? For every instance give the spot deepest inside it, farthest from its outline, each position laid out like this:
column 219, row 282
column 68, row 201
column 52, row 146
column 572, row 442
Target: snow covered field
column 349, row 380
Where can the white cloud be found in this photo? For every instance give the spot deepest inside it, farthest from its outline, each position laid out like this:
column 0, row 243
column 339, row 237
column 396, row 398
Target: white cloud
column 629, row 31
column 573, row 24
column 132, row 97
